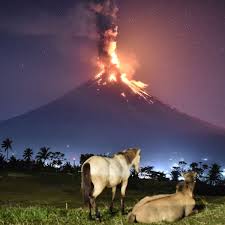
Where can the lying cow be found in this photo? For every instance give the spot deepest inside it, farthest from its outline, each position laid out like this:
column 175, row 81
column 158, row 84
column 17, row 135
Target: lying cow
column 167, row 207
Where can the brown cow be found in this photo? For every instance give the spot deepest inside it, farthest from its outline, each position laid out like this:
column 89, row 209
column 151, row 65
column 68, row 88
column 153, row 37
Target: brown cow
column 166, row 207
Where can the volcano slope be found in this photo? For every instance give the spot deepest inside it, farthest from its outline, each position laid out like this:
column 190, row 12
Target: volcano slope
column 105, row 118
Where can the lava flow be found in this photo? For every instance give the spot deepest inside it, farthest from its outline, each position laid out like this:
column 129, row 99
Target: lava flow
column 108, row 61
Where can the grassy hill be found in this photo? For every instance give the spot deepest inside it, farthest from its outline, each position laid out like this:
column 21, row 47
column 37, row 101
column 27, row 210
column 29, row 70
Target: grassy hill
column 56, row 199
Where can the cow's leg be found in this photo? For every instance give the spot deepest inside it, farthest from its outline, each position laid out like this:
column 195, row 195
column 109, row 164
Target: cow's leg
column 96, row 192
column 113, row 197
column 123, row 193
column 94, row 206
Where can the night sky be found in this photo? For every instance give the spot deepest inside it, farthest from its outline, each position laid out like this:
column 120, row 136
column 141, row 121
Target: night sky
column 47, row 48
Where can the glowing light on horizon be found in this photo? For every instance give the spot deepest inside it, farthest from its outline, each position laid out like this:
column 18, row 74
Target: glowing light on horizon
column 223, row 173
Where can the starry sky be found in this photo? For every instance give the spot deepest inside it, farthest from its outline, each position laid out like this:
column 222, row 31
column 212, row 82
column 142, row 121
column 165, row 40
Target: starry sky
column 47, row 48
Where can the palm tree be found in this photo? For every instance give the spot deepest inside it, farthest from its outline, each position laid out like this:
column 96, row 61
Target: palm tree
column 7, row 144
column 43, row 154
column 2, row 161
column 215, row 174
column 27, row 154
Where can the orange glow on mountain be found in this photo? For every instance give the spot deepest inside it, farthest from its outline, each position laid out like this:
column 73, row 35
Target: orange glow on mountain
column 110, row 67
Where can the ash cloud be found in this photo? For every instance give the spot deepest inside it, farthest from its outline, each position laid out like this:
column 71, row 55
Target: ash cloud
column 106, row 23
column 85, row 19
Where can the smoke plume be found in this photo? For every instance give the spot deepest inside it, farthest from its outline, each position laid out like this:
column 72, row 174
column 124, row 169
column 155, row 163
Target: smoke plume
column 106, row 24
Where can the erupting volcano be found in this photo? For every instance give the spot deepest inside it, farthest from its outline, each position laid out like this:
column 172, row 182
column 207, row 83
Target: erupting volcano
column 108, row 61
column 112, row 112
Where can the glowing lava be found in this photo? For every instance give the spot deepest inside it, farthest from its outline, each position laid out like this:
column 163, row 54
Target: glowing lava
column 110, row 69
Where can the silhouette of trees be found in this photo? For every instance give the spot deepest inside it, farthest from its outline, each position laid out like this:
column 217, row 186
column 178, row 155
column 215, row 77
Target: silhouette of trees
column 43, row 155
column 215, row 174
column 182, row 165
column 7, row 145
column 56, row 162
column 84, row 157
column 67, row 168
column 27, row 154
column 199, row 168
column 57, row 159
column 146, row 171
column 178, row 170
column 194, row 166
column 159, row 176
column 205, row 167
column 175, row 173
column 13, row 163
column 2, row 161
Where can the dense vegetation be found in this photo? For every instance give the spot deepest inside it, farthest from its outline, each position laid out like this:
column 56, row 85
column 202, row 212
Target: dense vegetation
column 49, row 161
column 45, row 189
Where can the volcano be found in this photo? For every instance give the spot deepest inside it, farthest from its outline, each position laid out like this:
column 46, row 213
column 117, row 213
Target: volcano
column 114, row 111
column 105, row 118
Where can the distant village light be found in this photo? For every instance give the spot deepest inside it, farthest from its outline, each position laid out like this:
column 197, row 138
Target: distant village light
column 74, row 159
column 223, row 172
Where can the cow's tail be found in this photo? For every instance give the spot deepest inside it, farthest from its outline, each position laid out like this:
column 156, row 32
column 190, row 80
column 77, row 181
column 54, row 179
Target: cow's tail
column 86, row 183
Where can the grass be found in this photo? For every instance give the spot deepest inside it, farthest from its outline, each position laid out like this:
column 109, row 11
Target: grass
column 42, row 199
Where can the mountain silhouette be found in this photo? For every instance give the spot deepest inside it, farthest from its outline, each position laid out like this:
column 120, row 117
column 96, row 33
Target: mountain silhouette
column 107, row 118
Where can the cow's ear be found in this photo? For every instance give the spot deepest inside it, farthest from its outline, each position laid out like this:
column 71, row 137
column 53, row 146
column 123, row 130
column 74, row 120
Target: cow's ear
column 139, row 151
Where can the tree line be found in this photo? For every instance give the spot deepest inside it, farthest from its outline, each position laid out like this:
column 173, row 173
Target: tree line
column 44, row 159
column 47, row 160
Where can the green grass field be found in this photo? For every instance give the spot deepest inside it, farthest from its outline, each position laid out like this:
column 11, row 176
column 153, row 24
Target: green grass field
column 42, row 199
